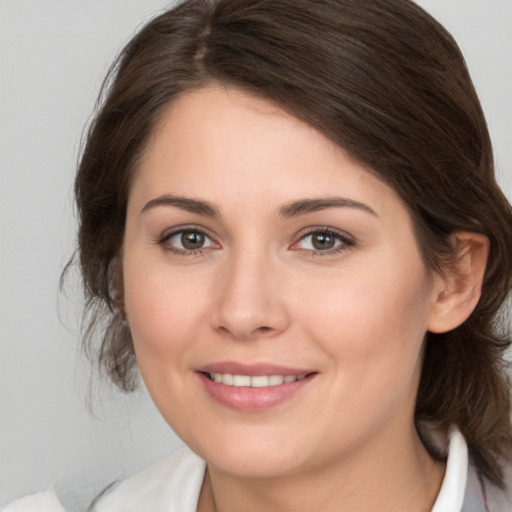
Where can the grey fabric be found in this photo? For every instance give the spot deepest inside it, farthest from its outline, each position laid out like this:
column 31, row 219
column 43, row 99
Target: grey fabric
column 490, row 499
column 474, row 500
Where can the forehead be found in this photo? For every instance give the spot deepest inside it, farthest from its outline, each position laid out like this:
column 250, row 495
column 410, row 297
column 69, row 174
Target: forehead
column 225, row 145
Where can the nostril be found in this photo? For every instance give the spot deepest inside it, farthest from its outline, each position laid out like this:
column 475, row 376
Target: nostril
column 262, row 330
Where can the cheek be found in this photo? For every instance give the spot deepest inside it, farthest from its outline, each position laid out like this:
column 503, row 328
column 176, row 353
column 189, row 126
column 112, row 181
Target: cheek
column 165, row 313
column 372, row 326
column 163, row 309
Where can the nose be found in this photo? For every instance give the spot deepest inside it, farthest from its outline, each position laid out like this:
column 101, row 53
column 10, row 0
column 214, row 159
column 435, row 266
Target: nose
column 249, row 299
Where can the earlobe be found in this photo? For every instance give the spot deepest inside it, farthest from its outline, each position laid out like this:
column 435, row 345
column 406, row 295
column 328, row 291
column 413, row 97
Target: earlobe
column 458, row 291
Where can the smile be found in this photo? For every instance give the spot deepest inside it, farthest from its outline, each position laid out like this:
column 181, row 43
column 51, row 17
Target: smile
column 257, row 381
column 253, row 388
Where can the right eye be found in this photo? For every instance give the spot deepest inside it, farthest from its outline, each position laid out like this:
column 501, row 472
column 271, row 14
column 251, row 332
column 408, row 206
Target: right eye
column 186, row 241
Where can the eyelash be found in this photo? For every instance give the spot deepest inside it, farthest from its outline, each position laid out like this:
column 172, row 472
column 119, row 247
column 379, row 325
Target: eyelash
column 162, row 242
column 347, row 242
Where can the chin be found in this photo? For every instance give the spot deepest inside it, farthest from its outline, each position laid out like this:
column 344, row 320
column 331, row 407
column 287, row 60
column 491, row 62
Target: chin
column 254, row 466
column 244, row 457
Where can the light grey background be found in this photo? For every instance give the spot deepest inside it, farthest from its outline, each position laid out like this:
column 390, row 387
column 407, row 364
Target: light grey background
column 53, row 56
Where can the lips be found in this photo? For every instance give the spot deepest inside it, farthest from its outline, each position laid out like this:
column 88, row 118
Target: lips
column 252, row 388
column 252, row 370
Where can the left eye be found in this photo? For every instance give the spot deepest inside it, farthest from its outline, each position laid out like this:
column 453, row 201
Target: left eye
column 321, row 241
column 189, row 240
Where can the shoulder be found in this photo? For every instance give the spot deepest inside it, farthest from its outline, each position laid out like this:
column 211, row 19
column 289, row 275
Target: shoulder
column 463, row 489
column 501, row 499
column 41, row 501
column 171, row 485
column 481, row 495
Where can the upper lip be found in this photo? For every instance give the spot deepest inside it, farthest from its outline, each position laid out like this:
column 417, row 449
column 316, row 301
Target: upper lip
column 235, row 368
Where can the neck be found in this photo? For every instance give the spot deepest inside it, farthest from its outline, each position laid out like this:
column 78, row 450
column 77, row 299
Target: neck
column 387, row 476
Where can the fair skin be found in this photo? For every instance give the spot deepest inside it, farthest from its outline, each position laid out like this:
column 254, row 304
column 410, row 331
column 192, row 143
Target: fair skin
column 256, row 246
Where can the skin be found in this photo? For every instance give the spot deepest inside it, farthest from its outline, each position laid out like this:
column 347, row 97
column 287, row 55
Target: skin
column 258, row 292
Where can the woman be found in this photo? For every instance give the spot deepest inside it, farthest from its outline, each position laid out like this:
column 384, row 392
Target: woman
column 289, row 222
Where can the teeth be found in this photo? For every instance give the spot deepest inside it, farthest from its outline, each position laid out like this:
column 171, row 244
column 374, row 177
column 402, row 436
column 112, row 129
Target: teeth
column 227, row 379
column 241, row 380
column 258, row 381
column 275, row 380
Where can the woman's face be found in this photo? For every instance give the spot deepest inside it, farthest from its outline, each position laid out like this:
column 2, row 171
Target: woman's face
column 273, row 287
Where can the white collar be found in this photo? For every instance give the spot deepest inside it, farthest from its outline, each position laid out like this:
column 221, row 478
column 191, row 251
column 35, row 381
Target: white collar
column 451, row 495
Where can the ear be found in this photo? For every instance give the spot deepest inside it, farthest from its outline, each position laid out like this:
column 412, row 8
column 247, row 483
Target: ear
column 117, row 280
column 458, row 291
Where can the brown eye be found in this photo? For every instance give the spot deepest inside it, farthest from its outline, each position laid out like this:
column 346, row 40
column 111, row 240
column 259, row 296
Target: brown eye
column 192, row 240
column 187, row 241
column 323, row 241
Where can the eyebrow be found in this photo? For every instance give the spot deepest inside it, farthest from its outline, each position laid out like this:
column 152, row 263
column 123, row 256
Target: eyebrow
column 185, row 203
column 304, row 206
column 288, row 210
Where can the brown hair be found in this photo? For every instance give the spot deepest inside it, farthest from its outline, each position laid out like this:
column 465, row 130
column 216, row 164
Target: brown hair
column 383, row 80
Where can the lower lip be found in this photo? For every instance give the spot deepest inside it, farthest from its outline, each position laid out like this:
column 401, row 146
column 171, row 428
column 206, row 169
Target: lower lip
column 248, row 399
